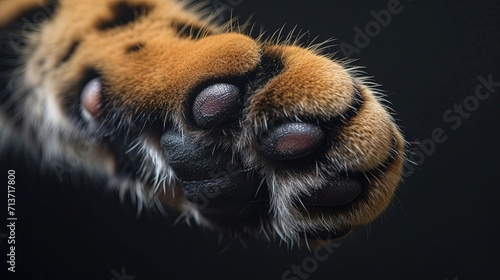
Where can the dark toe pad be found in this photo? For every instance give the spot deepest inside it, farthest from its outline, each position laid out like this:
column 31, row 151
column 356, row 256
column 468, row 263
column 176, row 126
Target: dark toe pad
column 215, row 104
column 341, row 190
column 292, row 140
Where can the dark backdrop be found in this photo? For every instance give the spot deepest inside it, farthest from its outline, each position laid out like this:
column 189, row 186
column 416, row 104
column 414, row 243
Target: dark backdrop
column 443, row 224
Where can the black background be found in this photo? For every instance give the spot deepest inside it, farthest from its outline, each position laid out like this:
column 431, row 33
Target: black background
column 442, row 225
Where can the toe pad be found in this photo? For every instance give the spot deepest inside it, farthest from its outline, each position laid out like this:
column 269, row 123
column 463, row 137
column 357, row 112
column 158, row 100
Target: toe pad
column 292, row 141
column 215, row 104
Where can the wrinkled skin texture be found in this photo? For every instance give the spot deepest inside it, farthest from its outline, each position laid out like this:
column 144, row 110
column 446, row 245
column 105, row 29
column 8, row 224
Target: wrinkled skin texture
column 242, row 135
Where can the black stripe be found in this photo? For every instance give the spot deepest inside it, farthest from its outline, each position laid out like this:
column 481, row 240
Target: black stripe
column 69, row 53
column 269, row 67
column 123, row 14
column 343, row 119
column 388, row 162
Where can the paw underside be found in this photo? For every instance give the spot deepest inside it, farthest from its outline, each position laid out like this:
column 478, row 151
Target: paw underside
column 294, row 147
column 271, row 176
column 215, row 178
column 253, row 137
column 228, row 191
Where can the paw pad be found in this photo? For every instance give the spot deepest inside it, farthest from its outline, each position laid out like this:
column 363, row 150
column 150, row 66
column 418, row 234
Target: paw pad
column 340, row 191
column 215, row 105
column 292, row 141
column 91, row 99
